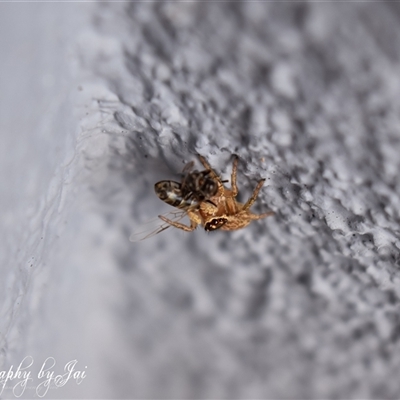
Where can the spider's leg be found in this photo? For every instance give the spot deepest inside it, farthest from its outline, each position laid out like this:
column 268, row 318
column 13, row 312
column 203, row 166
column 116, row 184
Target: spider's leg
column 213, row 174
column 179, row 225
column 234, row 173
column 208, row 167
column 253, row 197
column 260, row 216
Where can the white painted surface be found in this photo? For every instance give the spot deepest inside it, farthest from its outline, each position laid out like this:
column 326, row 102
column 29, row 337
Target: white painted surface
column 99, row 101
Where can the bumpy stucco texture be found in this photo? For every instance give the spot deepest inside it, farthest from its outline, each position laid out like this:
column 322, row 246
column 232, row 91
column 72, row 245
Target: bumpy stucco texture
column 304, row 304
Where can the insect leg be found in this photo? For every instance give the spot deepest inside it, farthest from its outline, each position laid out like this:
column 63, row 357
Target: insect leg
column 234, row 173
column 188, row 167
column 179, row 225
column 253, row 197
column 213, row 174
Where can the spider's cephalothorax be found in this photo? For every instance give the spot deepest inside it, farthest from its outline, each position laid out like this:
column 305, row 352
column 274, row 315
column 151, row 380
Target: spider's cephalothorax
column 213, row 208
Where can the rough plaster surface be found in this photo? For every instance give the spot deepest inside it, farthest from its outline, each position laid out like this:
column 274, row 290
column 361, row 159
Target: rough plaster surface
column 304, row 304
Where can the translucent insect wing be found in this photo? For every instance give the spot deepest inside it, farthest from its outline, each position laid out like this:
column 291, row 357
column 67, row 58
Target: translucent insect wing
column 155, row 226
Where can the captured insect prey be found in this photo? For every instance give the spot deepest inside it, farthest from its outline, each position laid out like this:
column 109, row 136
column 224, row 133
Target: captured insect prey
column 194, row 188
column 203, row 198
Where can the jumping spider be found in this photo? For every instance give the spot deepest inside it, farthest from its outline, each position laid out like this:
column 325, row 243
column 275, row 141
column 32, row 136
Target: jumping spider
column 213, row 211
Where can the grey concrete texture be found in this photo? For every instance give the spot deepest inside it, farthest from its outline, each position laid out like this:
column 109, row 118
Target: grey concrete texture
column 304, row 304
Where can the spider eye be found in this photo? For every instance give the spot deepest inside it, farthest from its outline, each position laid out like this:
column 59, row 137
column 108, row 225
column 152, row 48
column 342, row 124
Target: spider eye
column 214, row 224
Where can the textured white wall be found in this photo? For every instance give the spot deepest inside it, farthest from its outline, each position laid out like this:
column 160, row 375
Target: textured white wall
column 304, row 304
